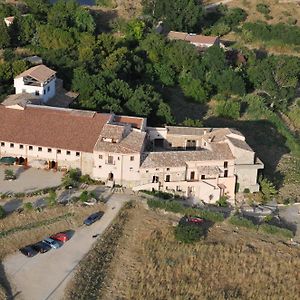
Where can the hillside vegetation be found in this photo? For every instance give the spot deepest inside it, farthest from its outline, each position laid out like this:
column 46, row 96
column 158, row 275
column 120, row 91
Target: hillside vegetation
column 230, row 263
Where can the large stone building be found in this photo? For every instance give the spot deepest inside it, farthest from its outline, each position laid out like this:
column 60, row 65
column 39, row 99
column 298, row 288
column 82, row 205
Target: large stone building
column 200, row 163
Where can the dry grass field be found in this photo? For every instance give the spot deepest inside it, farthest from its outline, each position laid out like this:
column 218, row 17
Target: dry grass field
column 229, row 264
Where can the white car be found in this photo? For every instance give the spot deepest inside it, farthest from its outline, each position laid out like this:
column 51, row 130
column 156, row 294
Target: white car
column 52, row 243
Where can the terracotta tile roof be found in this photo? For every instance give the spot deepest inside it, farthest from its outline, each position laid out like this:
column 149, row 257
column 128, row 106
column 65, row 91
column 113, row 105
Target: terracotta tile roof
column 135, row 122
column 239, row 144
column 185, row 130
column 40, row 73
column 114, row 132
column 177, row 35
column 21, row 99
column 192, row 38
column 180, row 158
column 54, row 128
column 201, row 39
column 132, row 143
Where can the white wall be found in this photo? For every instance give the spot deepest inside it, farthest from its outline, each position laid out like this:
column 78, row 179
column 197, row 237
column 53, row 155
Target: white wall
column 44, row 94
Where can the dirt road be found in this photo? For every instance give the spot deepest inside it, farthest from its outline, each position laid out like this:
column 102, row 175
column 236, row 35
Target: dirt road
column 45, row 276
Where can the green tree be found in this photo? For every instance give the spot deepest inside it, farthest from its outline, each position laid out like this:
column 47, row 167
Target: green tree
column 84, row 20
column 267, row 188
column 135, row 29
column 4, row 36
column 5, row 72
column 51, row 199
column 181, row 15
column 192, row 123
column 19, row 66
column 228, row 109
column 188, row 233
column 39, row 8
column 164, row 113
column 27, row 29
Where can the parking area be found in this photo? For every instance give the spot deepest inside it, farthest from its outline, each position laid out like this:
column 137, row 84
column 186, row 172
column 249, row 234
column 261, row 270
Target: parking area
column 45, row 276
column 28, row 180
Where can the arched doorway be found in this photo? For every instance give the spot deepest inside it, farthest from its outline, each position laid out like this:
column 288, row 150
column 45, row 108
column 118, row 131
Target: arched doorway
column 21, row 161
column 111, row 176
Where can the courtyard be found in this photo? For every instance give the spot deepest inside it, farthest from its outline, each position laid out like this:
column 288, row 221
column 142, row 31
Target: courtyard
column 28, row 180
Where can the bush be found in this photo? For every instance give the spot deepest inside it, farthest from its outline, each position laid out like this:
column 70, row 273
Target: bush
column 2, row 212
column 242, row 222
column 72, row 178
column 84, row 196
column 28, row 206
column 51, row 200
column 263, row 8
column 246, row 191
column 177, row 207
column 188, row 233
column 228, row 109
column 271, row 229
column 222, row 202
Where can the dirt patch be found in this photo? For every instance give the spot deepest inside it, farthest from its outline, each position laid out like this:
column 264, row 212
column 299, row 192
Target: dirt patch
column 230, row 263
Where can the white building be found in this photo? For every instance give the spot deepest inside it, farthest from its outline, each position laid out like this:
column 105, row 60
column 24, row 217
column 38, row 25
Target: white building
column 39, row 81
column 197, row 163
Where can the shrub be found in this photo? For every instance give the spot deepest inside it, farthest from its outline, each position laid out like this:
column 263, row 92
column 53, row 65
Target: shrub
column 51, row 200
column 9, row 174
column 2, row 212
column 228, row 109
column 188, row 233
column 84, row 196
column 28, row 206
column 271, row 229
column 267, row 188
column 263, row 8
column 86, row 179
column 222, row 202
column 241, row 222
column 246, row 191
column 177, row 207
column 72, row 178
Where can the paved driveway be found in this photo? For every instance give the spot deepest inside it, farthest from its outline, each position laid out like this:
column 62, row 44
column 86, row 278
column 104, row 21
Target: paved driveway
column 45, row 276
column 28, row 180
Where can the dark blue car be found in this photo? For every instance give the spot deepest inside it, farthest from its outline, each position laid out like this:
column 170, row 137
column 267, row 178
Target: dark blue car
column 93, row 218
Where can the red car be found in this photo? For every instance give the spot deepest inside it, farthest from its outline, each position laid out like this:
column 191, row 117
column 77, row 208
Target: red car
column 61, row 237
column 195, row 220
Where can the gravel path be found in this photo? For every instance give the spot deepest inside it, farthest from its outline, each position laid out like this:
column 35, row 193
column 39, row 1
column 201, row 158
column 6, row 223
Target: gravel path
column 45, row 276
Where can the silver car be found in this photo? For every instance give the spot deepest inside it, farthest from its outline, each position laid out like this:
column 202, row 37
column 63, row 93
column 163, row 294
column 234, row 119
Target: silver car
column 52, row 243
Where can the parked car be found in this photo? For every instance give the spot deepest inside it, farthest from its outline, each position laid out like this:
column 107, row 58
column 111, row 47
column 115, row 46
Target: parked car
column 41, row 247
column 93, row 218
column 52, row 243
column 60, row 236
column 192, row 220
column 28, row 251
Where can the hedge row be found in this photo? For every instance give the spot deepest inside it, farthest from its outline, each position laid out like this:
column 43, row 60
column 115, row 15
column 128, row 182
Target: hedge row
column 266, row 228
column 176, row 207
column 35, row 225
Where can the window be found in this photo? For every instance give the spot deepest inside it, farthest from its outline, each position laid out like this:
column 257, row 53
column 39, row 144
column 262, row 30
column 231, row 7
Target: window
column 157, row 169
column 11, row 145
column 131, row 168
column 131, row 158
column 100, row 156
column 147, row 171
column 39, row 148
column 44, row 92
column 192, row 175
column 168, row 177
column 2, row 144
column 49, row 150
column 190, row 145
column 202, row 176
column 110, row 160
column 68, row 152
column 21, row 146
column 37, row 93
column 226, row 173
column 225, row 164
column 30, row 147
column 99, row 167
column 77, row 154
column 48, row 88
column 168, row 169
column 58, row 151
